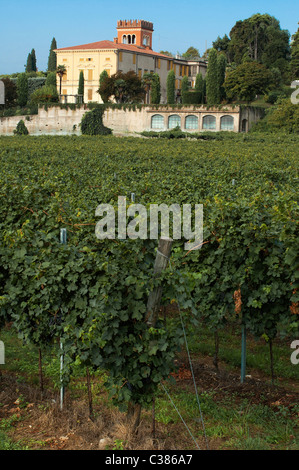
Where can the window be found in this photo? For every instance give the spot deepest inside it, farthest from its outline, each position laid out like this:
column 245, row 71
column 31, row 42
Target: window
column 133, row 39
column 157, row 122
column 191, row 122
column 120, row 55
column 90, row 59
column 140, row 73
column 81, row 60
column 64, row 60
column 134, row 58
column 64, row 77
column 90, row 94
column 227, row 123
column 90, row 74
column 64, row 92
column 174, row 121
column 129, row 38
column 124, row 39
column 209, row 122
column 108, row 72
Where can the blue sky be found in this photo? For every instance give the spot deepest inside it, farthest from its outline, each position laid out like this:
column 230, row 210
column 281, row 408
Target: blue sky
column 28, row 24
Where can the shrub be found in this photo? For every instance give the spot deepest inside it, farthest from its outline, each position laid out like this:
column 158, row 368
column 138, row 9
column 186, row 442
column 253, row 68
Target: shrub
column 92, row 123
column 192, row 97
column 45, row 94
column 21, row 129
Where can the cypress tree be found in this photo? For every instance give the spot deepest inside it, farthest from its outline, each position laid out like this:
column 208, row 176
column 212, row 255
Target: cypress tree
column 155, row 89
column 184, row 87
column 212, row 79
column 170, row 85
column 52, row 62
column 33, row 59
column 200, row 87
column 22, row 89
column 221, row 62
column 51, row 79
column 81, row 85
column 29, row 63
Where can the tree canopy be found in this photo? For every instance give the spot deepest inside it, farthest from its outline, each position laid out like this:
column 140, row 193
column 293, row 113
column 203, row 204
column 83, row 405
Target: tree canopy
column 246, row 81
column 124, row 87
column 258, row 38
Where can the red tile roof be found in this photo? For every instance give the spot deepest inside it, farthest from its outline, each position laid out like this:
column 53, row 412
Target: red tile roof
column 112, row 45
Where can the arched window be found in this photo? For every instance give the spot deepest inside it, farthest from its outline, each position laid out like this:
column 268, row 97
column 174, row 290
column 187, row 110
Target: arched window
column 191, row 122
column 124, row 39
column 133, row 39
column 209, row 122
column 227, row 123
column 145, row 40
column 129, row 38
column 157, row 122
column 174, row 121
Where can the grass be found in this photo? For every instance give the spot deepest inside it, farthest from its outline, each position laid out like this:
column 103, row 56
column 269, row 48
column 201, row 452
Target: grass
column 231, row 416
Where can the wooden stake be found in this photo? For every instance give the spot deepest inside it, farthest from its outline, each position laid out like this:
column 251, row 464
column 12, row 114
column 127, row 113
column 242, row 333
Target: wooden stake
column 41, row 382
column 89, row 394
column 161, row 262
column 153, row 304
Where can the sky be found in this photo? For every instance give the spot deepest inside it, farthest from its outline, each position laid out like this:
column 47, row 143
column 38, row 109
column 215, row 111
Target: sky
column 31, row 24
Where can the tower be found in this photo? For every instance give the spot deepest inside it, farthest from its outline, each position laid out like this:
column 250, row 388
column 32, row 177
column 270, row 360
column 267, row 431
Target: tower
column 138, row 33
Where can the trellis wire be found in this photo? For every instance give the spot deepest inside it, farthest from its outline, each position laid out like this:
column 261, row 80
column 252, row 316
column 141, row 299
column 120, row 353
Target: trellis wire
column 193, row 377
column 180, row 415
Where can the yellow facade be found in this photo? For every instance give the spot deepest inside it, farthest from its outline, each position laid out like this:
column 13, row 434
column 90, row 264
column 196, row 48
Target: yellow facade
column 92, row 63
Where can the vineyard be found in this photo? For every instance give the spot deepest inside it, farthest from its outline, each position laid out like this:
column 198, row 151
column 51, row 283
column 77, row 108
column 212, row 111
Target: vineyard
column 87, row 298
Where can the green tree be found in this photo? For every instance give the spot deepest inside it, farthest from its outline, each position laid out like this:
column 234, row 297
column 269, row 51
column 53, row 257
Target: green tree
column 155, row 89
column 10, row 92
column 33, row 58
column 200, row 87
column 294, row 65
column 106, row 89
column 61, row 71
column 124, row 87
column 81, row 85
column 221, row 63
column 191, row 53
column 261, row 39
column 52, row 61
column 45, row 94
column 51, row 79
column 28, row 68
column 222, row 45
column 21, row 129
column 212, row 79
column 170, row 86
column 184, row 87
column 247, row 81
column 22, row 89
column 169, row 54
